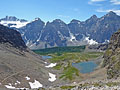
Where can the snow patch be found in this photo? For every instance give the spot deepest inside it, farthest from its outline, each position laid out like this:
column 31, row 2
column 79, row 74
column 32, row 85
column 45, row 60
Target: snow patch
column 35, row 84
column 18, row 82
column 36, row 19
column 51, row 65
column 78, row 22
column 90, row 41
column 52, row 77
column 72, row 37
column 106, row 42
column 12, row 87
column 27, row 78
column 16, row 24
column 45, row 62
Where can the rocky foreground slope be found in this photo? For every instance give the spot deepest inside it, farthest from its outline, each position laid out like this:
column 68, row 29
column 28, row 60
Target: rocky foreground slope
column 20, row 67
column 112, row 56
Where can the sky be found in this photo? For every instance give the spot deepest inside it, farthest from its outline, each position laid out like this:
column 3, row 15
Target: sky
column 66, row 10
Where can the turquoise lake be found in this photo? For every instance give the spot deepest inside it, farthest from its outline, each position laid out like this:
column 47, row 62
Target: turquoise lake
column 85, row 67
column 46, row 57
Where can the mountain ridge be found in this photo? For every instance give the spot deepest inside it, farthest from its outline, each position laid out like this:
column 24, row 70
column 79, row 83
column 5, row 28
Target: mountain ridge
column 58, row 33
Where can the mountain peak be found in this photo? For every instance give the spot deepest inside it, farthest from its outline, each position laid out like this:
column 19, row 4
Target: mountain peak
column 37, row 19
column 75, row 21
column 57, row 20
column 94, row 16
column 111, row 13
column 12, row 18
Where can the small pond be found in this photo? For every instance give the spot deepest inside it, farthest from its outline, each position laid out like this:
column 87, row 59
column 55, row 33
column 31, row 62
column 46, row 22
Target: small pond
column 85, row 67
column 46, row 57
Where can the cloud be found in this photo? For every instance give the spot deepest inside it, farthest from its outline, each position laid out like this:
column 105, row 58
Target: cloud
column 63, row 16
column 95, row 2
column 116, row 11
column 115, row 2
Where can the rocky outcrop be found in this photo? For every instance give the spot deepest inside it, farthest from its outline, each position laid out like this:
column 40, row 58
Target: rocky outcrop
column 12, row 37
column 112, row 56
column 102, row 47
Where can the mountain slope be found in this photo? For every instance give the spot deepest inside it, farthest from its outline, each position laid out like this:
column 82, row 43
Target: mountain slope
column 31, row 33
column 112, row 56
column 19, row 67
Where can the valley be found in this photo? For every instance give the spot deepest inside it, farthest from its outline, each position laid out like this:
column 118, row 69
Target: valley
column 65, row 58
column 80, row 55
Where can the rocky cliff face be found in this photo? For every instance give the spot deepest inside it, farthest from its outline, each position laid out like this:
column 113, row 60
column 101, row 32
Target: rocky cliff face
column 31, row 33
column 12, row 37
column 112, row 56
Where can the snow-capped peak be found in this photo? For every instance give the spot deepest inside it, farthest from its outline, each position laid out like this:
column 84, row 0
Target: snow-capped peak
column 36, row 19
column 12, row 21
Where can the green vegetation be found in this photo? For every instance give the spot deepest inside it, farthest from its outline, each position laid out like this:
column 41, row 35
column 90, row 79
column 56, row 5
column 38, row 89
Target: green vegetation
column 69, row 72
column 60, row 50
column 117, row 66
column 96, row 84
column 58, row 66
column 108, row 52
column 65, row 56
column 75, row 57
column 110, row 84
column 67, row 87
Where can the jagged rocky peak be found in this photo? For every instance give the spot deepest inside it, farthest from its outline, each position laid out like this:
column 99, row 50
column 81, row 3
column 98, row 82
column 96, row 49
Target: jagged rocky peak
column 12, row 18
column 57, row 21
column 111, row 13
column 11, row 37
column 37, row 21
column 75, row 21
column 92, row 18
